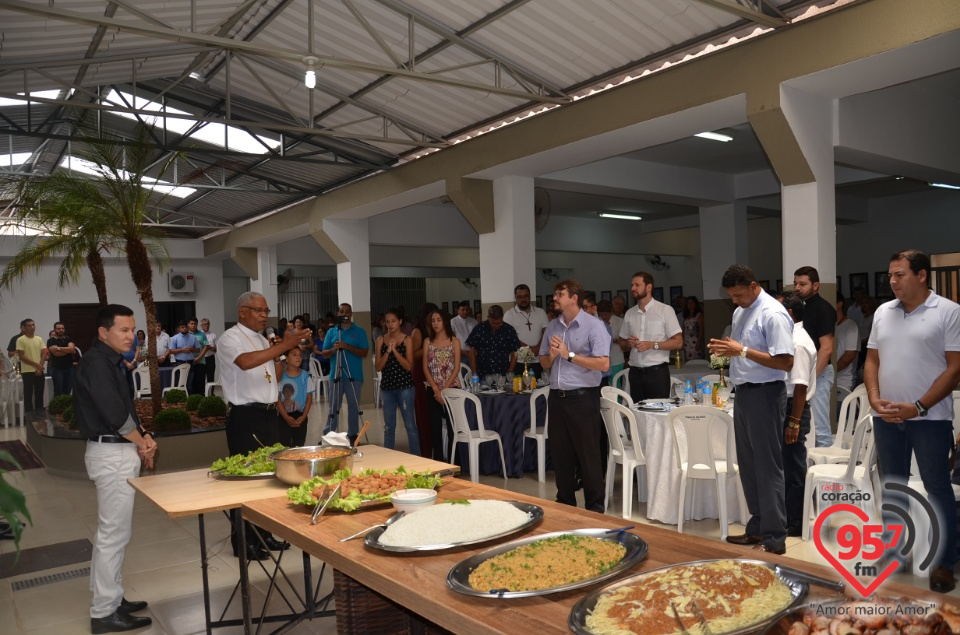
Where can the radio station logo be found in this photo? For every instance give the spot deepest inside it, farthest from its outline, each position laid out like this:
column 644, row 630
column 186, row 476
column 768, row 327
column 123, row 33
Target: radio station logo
column 873, row 552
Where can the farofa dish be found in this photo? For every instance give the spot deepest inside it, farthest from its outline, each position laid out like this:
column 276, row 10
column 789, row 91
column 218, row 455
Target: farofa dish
column 731, row 594
column 547, row 563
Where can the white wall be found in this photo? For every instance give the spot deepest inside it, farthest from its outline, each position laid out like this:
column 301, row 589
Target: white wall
column 39, row 297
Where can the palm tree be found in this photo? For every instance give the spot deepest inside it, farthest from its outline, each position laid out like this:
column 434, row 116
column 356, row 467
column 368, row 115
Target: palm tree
column 111, row 210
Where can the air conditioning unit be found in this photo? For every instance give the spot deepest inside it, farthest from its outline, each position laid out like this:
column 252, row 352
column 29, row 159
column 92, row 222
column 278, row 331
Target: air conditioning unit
column 180, row 282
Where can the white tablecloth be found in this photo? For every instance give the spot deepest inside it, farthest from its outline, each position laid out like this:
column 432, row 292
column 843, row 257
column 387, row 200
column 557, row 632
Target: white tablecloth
column 663, row 476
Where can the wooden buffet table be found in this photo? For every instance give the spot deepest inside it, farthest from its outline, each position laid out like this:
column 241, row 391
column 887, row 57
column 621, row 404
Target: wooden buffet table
column 417, row 581
column 195, row 493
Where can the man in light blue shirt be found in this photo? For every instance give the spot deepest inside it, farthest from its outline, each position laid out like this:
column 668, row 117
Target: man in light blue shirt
column 184, row 345
column 349, row 342
column 576, row 350
column 761, row 354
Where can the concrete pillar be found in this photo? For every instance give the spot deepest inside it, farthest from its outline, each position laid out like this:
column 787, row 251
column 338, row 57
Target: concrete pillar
column 508, row 253
column 723, row 242
column 265, row 281
column 348, row 243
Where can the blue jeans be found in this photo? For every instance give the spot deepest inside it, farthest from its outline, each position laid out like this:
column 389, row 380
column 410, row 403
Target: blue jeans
column 350, row 389
column 931, row 442
column 62, row 381
column 820, row 407
column 403, row 398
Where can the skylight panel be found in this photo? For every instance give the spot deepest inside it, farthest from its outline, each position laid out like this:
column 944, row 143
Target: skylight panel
column 43, row 94
column 86, row 167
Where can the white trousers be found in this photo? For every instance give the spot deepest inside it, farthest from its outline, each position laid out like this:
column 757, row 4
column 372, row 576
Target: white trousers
column 109, row 465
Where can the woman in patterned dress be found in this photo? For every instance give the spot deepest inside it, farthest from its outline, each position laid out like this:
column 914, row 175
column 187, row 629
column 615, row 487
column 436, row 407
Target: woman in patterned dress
column 441, row 366
column 692, row 329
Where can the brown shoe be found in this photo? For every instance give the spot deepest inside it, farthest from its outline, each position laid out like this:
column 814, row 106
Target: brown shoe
column 766, row 549
column 744, row 539
column 942, row 580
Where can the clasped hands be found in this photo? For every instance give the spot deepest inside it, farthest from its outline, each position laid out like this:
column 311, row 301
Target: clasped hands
column 558, row 347
column 725, row 347
column 147, row 453
column 894, row 411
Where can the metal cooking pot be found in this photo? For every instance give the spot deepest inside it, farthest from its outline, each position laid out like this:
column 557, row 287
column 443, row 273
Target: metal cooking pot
column 294, row 471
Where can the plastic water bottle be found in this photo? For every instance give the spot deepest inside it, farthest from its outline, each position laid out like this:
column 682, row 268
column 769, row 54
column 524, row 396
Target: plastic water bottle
column 475, row 384
column 688, row 394
column 699, row 390
column 708, row 394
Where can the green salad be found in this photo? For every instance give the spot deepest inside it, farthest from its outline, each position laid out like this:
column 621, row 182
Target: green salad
column 368, row 485
column 251, row 464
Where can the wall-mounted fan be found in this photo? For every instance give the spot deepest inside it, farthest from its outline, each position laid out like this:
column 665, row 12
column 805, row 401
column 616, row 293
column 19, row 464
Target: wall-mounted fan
column 549, row 274
column 541, row 208
column 468, row 283
column 283, row 280
column 657, row 262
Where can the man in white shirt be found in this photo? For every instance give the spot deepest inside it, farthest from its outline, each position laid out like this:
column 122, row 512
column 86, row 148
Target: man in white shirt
column 463, row 326
column 163, row 346
column 848, row 345
column 210, row 358
column 801, row 386
column 651, row 331
column 528, row 321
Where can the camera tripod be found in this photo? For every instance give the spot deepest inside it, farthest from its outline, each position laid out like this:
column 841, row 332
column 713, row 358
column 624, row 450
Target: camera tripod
column 336, row 397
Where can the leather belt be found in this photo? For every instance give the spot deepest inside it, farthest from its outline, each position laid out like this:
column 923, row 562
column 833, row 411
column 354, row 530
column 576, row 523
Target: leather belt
column 575, row 392
column 107, row 438
column 256, row 406
column 643, row 369
column 748, row 384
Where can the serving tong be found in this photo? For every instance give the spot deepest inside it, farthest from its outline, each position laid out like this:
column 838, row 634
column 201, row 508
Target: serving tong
column 323, row 504
column 366, row 531
column 697, row 613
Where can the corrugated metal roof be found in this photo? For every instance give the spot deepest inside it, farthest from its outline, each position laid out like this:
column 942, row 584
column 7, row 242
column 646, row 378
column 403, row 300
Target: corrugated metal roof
column 525, row 46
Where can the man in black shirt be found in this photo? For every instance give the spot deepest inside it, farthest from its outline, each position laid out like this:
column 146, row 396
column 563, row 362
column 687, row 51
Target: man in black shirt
column 493, row 345
column 61, row 349
column 116, row 446
column 12, row 346
column 820, row 323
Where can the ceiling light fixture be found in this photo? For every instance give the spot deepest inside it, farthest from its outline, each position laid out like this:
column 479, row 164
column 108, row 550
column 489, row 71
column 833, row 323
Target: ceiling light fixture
column 618, row 216
column 714, row 136
column 946, row 186
column 310, row 78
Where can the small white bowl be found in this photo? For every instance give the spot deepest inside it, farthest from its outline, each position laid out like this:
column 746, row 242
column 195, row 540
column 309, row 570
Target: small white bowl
column 410, row 500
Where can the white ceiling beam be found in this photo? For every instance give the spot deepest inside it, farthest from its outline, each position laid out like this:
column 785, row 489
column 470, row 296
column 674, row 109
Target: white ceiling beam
column 737, row 9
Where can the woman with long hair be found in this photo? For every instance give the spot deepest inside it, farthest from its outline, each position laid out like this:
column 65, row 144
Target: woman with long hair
column 692, row 328
column 441, row 366
column 394, row 360
column 421, row 401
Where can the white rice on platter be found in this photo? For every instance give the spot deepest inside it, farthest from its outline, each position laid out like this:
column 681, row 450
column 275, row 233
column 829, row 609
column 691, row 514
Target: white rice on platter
column 447, row 523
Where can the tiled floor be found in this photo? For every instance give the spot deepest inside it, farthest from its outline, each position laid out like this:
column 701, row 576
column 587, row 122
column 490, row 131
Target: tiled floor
column 162, row 563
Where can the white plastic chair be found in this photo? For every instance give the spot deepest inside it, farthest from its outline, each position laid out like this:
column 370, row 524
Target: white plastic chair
column 211, row 386
column 698, row 460
column 857, row 472
column 618, row 395
column 321, row 382
column 465, row 375
column 622, row 380
column 11, row 396
column 696, row 362
column 377, row 376
column 141, row 382
column 539, row 433
column 456, row 401
column 854, row 406
column 178, row 379
column 712, row 379
column 629, row 455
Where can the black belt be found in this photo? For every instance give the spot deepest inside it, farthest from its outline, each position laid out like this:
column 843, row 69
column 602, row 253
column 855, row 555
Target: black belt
column 646, row 368
column 107, row 438
column 575, row 392
column 748, row 384
column 256, row 406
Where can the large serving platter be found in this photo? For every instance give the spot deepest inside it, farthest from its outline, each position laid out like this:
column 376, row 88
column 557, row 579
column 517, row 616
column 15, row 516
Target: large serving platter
column 372, row 539
column 458, row 577
column 220, row 476
column 583, row 608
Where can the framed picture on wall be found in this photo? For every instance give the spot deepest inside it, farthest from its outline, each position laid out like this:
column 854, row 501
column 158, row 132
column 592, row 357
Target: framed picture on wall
column 445, row 306
column 765, row 285
column 881, row 286
column 623, row 293
column 675, row 292
column 606, row 295
column 658, row 294
column 779, row 285
column 477, row 310
column 859, row 280
column 839, row 284
column 547, row 299
column 454, row 305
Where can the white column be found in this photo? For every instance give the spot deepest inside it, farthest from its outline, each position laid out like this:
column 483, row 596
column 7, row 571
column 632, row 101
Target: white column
column 809, row 209
column 352, row 237
column 508, row 254
column 723, row 242
column 266, row 282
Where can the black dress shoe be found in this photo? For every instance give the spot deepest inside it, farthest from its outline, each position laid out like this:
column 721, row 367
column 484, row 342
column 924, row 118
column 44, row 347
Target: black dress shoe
column 118, row 622
column 275, row 545
column 942, row 580
column 254, row 552
column 126, row 606
column 744, row 539
column 767, row 549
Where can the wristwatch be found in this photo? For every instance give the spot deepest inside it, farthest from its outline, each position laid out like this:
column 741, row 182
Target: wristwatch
column 921, row 409
column 656, row 346
column 570, row 356
column 743, row 353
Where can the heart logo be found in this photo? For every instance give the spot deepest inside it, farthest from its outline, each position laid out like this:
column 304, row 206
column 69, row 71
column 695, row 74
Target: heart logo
column 849, row 577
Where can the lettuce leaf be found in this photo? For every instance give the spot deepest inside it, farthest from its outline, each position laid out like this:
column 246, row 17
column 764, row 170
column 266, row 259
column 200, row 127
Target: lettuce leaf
column 303, row 494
